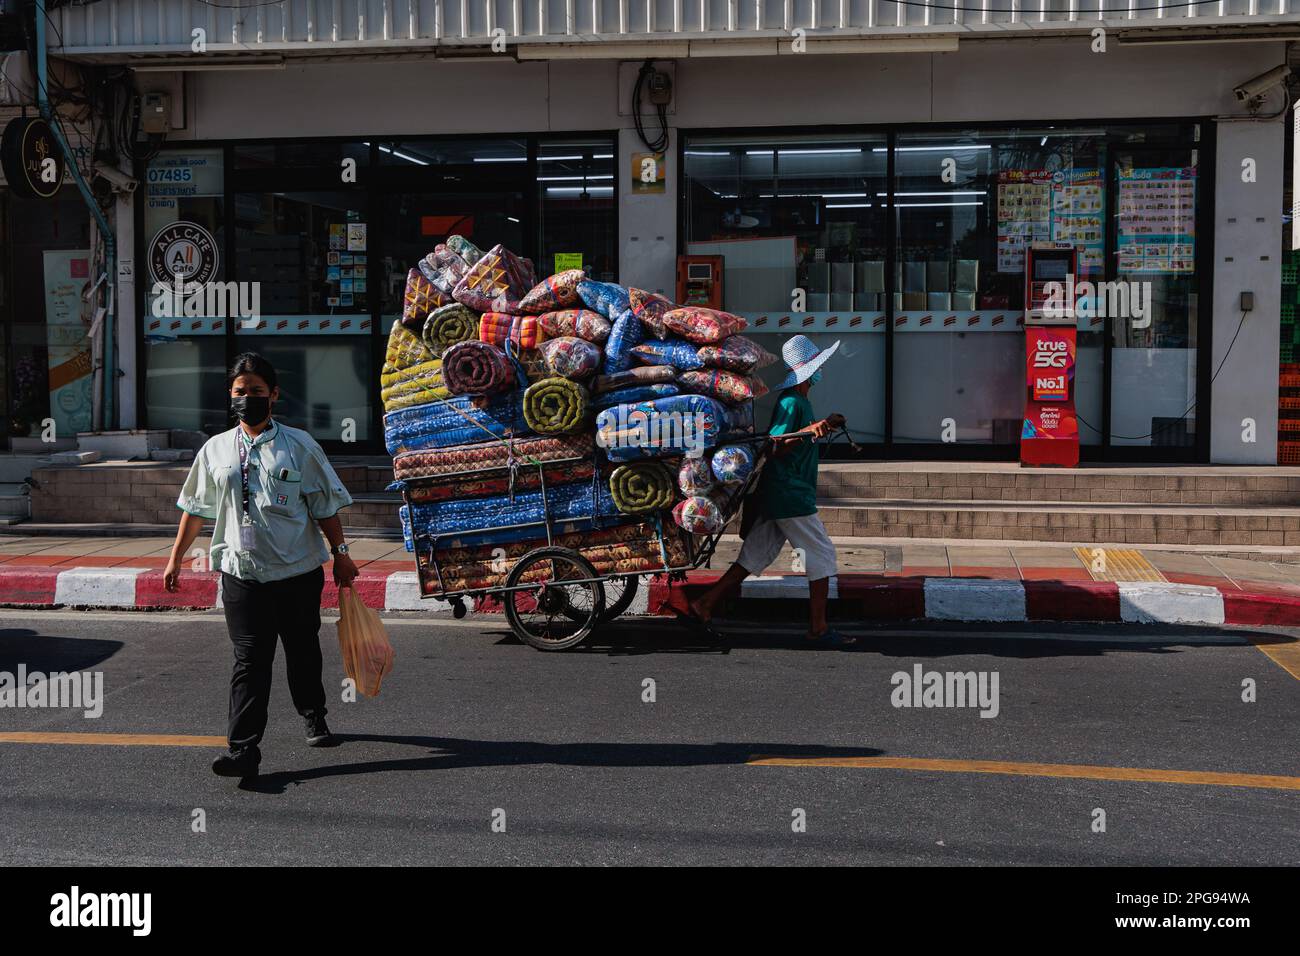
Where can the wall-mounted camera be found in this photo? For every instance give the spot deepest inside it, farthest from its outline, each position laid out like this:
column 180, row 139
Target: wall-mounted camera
column 120, row 181
column 1258, row 86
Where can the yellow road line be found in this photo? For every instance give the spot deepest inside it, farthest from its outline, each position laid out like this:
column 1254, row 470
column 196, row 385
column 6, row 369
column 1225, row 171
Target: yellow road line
column 1285, row 653
column 114, row 740
column 1118, row 564
column 1080, row 771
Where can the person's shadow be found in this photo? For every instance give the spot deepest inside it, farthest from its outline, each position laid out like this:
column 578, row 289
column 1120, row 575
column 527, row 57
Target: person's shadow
column 453, row 753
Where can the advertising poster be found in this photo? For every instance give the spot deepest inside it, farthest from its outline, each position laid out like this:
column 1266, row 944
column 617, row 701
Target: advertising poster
column 66, row 274
column 1157, row 219
column 1042, row 206
column 1050, row 435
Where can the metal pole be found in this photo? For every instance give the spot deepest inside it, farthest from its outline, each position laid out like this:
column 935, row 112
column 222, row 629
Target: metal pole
column 108, row 362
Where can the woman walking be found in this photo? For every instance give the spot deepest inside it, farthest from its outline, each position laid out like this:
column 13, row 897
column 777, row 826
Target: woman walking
column 268, row 488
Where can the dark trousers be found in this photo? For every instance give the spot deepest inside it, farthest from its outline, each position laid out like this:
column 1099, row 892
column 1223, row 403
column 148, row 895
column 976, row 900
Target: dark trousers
column 256, row 614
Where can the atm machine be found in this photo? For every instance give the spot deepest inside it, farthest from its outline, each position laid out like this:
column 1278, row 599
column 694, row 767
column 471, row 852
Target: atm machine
column 1050, row 434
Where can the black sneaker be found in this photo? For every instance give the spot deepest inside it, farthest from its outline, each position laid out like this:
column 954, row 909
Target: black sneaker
column 318, row 732
column 238, row 763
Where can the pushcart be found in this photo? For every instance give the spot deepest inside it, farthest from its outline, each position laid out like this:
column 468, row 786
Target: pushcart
column 557, row 593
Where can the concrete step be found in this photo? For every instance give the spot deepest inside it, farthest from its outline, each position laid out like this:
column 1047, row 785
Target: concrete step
column 15, row 506
column 374, row 510
column 14, row 468
column 1061, row 521
column 1154, row 484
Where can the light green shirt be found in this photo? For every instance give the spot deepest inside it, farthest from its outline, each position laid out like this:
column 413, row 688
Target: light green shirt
column 282, row 504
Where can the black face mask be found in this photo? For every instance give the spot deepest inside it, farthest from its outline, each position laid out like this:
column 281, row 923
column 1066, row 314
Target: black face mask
column 251, row 409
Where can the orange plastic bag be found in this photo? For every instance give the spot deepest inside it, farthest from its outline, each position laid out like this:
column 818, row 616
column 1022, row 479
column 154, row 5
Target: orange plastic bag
column 367, row 654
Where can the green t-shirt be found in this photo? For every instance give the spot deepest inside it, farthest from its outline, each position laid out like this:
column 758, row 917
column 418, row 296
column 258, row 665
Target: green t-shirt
column 789, row 482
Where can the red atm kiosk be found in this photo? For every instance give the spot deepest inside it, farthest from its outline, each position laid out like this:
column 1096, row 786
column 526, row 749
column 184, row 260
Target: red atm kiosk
column 1050, row 435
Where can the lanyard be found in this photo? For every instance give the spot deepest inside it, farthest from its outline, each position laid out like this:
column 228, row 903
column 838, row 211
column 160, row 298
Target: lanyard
column 243, row 469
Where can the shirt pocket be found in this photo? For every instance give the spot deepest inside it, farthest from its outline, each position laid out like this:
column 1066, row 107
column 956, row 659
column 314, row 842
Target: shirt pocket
column 284, row 494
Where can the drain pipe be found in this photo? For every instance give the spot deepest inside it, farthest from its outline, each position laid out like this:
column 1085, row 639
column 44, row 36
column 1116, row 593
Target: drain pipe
column 108, row 361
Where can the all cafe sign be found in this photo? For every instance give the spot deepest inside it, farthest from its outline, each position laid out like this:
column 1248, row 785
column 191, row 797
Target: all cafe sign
column 31, row 158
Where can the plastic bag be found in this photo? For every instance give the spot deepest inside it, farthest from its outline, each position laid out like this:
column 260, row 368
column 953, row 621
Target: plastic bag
column 367, row 654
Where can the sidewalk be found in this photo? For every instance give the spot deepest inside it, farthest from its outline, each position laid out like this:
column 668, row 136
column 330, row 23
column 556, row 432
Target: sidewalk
column 877, row 581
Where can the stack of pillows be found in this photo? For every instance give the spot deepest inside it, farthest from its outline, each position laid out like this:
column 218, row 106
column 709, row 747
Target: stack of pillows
column 489, row 370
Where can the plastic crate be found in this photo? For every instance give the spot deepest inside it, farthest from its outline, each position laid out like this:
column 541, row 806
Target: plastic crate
column 1288, row 453
column 1288, row 313
column 1289, row 425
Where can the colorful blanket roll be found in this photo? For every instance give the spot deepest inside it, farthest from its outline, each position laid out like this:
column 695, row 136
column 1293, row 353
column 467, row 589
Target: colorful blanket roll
column 578, row 501
column 650, row 308
column 608, row 299
column 570, row 357
column 476, row 368
column 405, row 350
column 421, row 298
column 555, row 406
column 725, row 386
column 485, row 455
column 525, row 478
column 583, row 323
column 459, row 420
column 673, row 352
column 497, row 328
column 625, row 549
column 639, row 393
column 627, row 333
column 732, row 463
column 414, row 386
column 496, row 282
column 703, row 326
column 678, row 425
column 736, row 354
column 448, row 326
column 641, row 487
column 559, row 291
column 636, row 376
column 695, row 477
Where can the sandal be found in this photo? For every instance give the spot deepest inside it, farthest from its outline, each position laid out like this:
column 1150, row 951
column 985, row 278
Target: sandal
column 699, row 626
column 830, row 639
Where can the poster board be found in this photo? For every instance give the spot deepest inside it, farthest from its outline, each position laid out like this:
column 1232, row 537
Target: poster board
column 1157, row 220
column 66, row 273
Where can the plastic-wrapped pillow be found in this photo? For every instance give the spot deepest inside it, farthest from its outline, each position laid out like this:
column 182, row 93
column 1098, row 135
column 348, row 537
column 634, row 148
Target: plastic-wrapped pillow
column 583, row 323
column 465, row 249
column 678, row 353
column 607, row 298
column 695, row 477
column 698, row 514
column 627, row 333
column 636, row 393
column 703, row 326
column 736, row 354
column 650, row 308
column 732, row 463
column 559, row 291
column 500, row 327
column 444, row 269
column 723, row 385
column 570, row 357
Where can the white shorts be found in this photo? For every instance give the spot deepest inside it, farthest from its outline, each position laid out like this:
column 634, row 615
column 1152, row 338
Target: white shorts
column 806, row 532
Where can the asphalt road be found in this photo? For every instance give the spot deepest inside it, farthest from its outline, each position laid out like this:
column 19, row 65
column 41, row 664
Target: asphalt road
column 470, row 724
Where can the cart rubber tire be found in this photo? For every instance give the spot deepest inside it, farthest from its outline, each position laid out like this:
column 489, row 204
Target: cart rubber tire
column 583, row 620
column 630, row 582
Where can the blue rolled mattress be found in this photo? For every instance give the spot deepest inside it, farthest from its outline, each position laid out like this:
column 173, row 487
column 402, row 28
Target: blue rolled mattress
column 663, row 426
column 578, row 506
column 455, row 421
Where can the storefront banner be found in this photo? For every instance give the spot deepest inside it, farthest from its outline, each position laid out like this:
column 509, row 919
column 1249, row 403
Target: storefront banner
column 1157, row 220
column 1050, row 435
column 989, row 320
column 174, row 328
column 174, row 176
column 806, row 322
column 70, row 363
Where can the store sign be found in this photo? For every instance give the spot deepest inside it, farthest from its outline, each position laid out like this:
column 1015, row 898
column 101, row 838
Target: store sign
column 184, row 251
column 31, row 158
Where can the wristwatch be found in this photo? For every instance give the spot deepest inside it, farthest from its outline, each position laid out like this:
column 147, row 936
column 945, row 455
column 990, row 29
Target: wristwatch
column 341, row 548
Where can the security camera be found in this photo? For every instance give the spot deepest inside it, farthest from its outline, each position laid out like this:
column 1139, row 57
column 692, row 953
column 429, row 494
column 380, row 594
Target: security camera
column 120, row 181
column 1258, row 86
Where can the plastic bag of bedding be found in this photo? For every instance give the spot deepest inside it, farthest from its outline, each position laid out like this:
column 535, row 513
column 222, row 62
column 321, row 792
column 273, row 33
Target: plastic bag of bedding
column 559, row 291
column 585, row 324
column 650, row 308
column 570, row 357
column 732, row 463
column 444, row 268
column 695, row 477
column 703, row 326
column 678, row 353
column 495, row 283
column 736, row 354
column 723, row 385
column 678, row 425
column 458, row 420
column 607, row 298
column 636, row 393
column 628, row 332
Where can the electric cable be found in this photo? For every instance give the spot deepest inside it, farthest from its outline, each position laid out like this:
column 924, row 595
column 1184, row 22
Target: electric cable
column 661, row 141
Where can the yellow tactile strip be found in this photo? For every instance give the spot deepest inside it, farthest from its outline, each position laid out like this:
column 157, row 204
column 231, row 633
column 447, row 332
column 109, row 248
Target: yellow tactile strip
column 1118, row 564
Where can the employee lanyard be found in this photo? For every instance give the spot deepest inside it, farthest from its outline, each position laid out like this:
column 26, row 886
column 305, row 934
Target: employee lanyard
column 243, row 470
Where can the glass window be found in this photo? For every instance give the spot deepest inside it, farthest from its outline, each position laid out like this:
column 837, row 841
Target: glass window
column 324, row 382
column 436, row 153
column 576, row 207
column 799, row 222
column 185, row 348
column 282, row 155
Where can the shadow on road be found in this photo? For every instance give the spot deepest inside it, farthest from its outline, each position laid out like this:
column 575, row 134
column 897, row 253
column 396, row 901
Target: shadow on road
column 452, row 753
column 43, row 652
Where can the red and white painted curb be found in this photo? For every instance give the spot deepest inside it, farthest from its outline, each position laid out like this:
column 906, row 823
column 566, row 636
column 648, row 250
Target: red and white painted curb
column 865, row 597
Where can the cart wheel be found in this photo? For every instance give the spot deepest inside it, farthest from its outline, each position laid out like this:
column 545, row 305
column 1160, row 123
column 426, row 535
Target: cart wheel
column 457, row 608
column 619, row 594
column 547, row 612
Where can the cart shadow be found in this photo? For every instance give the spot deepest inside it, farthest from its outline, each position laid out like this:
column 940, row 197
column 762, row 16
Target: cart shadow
column 453, row 753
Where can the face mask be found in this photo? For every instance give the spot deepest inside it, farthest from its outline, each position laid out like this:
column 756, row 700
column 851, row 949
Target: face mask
column 816, row 377
column 251, row 409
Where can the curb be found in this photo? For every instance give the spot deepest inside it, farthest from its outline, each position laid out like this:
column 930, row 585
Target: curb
column 869, row 598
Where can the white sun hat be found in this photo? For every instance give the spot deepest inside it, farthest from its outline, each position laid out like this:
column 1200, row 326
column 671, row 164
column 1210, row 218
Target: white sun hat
column 803, row 359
